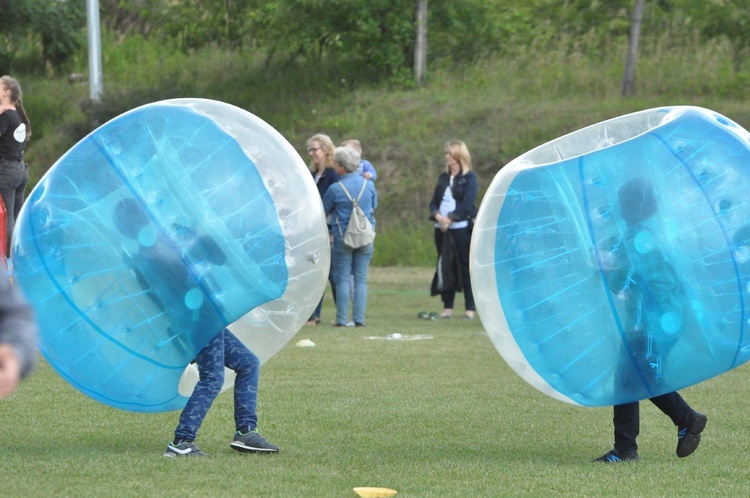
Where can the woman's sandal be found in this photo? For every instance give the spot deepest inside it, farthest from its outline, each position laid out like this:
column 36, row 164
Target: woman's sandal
column 432, row 315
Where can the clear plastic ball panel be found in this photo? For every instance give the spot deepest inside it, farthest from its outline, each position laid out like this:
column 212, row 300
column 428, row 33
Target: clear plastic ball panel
column 146, row 239
column 621, row 273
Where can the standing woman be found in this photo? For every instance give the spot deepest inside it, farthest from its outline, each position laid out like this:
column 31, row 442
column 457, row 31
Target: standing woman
column 345, row 261
column 452, row 204
column 15, row 130
column 320, row 147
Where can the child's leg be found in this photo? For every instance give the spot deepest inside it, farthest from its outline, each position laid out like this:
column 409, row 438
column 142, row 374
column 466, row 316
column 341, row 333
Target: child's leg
column 210, row 361
column 673, row 407
column 627, row 426
column 247, row 367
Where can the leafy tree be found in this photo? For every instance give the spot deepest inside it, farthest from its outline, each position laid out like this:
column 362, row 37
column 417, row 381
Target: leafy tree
column 472, row 29
column 375, row 33
column 381, row 33
column 728, row 19
column 55, row 26
column 60, row 23
column 129, row 17
column 193, row 23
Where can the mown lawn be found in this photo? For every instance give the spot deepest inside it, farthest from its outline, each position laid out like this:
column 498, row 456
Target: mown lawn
column 442, row 416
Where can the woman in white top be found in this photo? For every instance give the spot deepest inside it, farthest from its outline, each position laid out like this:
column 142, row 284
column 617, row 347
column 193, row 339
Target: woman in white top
column 452, row 208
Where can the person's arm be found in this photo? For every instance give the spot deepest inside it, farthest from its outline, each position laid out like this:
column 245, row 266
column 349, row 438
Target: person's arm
column 371, row 188
column 465, row 206
column 18, row 335
column 4, row 120
column 368, row 170
column 328, row 200
column 10, row 370
column 437, row 198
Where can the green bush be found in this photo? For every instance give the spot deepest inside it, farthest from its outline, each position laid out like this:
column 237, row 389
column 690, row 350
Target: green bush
column 405, row 246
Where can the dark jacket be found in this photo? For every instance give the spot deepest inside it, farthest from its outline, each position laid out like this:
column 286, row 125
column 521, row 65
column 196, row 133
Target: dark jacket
column 18, row 326
column 448, row 272
column 329, row 178
column 464, row 188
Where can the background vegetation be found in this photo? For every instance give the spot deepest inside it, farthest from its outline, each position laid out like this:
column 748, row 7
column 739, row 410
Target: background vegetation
column 504, row 76
column 440, row 417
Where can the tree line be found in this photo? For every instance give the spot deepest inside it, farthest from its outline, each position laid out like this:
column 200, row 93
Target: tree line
column 50, row 35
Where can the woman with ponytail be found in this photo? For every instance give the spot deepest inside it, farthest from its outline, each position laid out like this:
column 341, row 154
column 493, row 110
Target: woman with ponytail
column 15, row 130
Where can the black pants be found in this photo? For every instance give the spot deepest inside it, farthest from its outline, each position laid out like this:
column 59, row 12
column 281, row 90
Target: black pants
column 462, row 238
column 627, row 418
column 13, row 179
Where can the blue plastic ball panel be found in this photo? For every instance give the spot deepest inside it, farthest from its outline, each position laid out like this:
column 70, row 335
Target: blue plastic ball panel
column 149, row 237
column 611, row 265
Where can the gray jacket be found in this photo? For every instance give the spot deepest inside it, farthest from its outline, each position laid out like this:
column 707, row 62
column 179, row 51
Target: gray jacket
column 17, row 325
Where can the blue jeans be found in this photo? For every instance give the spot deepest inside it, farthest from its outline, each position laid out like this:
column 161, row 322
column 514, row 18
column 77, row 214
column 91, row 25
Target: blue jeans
column 346, row 262
column 319, row 307
column 224, row 349
column 13, row 179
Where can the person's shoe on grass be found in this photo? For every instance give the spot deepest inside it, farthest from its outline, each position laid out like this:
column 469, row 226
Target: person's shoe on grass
column 614, row 456
column 252, row 442
column 183, row 449
column 689, row 437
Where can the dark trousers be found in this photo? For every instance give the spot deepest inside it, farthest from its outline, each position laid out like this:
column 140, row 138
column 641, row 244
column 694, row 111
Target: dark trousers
column 627, row 418
column 462, row 238
column 13, row 179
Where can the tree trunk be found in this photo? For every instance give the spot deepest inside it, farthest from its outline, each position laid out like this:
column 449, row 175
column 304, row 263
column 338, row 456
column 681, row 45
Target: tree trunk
column 628, row 80
column 420, row 47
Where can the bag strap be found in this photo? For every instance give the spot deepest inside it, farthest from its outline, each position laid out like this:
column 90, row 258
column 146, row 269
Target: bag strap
column 354, row 203
column 361, row 192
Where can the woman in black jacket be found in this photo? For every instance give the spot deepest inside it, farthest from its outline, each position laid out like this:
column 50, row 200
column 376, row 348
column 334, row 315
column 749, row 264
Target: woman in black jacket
column 320, row 147
column 453, row 209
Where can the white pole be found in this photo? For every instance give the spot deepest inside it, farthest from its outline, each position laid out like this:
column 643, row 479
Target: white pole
column 95, row 50
column 420, row 47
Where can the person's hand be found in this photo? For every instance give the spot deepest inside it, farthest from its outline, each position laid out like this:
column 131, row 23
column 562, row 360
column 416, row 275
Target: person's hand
column 444, row 222
column 10, row 370
column 368, row 175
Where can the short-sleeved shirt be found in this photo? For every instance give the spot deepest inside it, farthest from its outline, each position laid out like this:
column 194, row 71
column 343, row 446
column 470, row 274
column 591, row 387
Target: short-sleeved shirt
column 12, row 136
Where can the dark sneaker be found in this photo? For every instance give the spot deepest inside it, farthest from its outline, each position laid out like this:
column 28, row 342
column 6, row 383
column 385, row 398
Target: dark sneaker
column 184, row 449
column 252, row 442
column 688, row 438
column 615, row 456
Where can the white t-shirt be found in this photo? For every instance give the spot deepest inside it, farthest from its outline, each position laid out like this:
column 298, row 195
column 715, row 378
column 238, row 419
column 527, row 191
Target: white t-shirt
column 448, row 205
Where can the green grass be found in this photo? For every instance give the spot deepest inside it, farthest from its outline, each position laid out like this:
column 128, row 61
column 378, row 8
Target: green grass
column 439, row 417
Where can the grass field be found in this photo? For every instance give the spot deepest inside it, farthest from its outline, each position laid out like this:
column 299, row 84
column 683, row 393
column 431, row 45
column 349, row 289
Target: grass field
column 430, row 418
